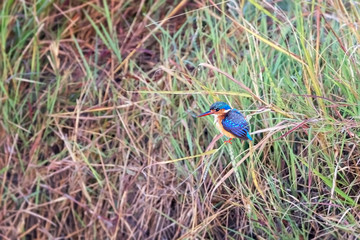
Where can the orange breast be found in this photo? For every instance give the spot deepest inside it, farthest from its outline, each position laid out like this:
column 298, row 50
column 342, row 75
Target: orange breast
column 219, row 125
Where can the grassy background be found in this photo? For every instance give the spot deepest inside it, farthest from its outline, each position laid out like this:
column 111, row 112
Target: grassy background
column 98, row 134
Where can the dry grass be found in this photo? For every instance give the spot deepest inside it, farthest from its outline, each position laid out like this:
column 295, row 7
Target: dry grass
column 98, row 136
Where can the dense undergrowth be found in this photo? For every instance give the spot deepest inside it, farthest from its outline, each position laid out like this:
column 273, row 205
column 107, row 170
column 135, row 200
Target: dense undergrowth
column 98, row 134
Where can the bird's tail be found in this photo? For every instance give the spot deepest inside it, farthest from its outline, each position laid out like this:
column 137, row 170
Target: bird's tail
column 248, row 136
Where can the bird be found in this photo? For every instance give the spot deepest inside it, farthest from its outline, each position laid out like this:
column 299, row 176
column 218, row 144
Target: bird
column 229, row 121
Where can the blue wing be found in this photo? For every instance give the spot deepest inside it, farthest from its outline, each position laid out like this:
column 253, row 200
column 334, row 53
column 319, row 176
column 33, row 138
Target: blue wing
column 236, row 124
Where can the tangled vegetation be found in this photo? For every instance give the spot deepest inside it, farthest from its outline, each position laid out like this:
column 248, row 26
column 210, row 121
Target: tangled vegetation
column 98, row 134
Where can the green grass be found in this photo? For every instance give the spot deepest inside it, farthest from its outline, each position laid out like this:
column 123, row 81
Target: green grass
column 98, row 133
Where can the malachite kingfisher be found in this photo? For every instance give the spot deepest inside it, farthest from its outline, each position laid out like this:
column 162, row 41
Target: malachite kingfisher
column 229, row 121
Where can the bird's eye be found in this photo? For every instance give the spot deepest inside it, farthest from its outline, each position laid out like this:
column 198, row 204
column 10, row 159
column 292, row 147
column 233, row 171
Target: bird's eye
column 217, row 109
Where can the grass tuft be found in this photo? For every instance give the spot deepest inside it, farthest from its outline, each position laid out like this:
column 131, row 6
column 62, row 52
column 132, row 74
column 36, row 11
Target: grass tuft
column 98, row 130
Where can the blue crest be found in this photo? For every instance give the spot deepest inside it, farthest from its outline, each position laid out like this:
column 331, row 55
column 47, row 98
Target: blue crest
column 220, row 105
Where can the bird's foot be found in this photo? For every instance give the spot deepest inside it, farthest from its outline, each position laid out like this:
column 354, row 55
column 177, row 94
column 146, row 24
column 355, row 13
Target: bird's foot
column 228, row 141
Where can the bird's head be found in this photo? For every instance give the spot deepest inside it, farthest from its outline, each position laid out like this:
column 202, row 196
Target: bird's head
column 217, row 108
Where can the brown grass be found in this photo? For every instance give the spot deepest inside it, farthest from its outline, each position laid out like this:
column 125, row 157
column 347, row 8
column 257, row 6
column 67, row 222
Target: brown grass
column 84, row 145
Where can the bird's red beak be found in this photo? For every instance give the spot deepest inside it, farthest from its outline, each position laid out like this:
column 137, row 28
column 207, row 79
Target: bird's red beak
column 206, row 113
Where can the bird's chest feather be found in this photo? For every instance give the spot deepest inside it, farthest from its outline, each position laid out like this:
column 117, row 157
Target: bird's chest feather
column 218, row 122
